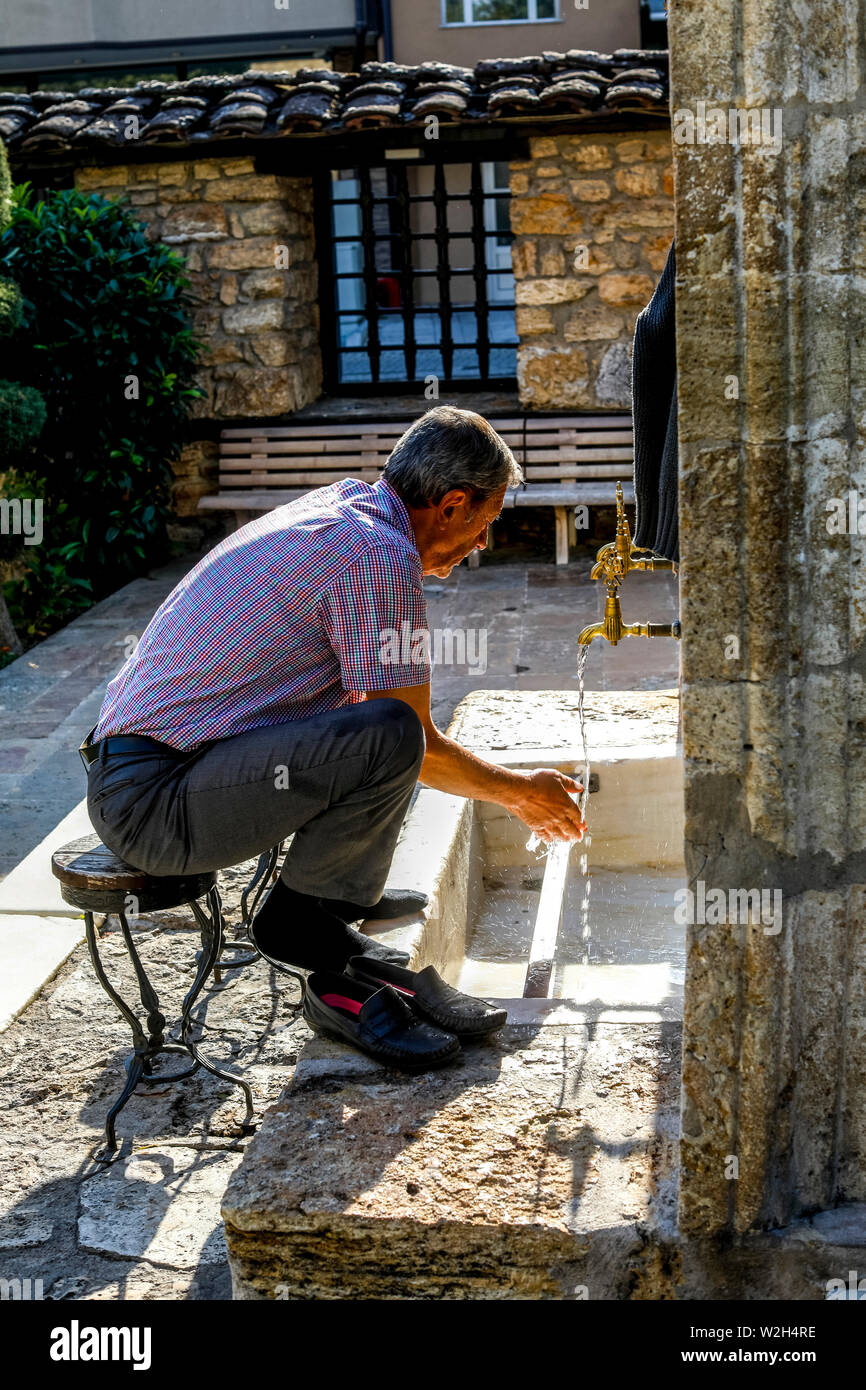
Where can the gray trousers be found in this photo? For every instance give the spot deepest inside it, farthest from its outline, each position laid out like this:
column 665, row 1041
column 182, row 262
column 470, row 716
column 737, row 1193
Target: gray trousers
column 340, row 783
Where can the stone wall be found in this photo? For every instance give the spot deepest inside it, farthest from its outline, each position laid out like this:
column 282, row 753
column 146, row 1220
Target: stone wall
column 248, row 243
column 593, row 219
column 771, row 337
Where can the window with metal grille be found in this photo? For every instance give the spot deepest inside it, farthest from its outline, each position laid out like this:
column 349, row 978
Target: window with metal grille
column 420, row 275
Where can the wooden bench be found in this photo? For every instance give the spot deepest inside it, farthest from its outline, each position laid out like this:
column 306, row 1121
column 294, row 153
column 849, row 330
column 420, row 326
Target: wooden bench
column 568, row 461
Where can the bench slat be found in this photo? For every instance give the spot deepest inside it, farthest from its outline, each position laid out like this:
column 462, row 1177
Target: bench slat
column 294, row 456
column 591, row 493
column 398, row 427
column 282, row 447
column 242, row 476
column 306, row 481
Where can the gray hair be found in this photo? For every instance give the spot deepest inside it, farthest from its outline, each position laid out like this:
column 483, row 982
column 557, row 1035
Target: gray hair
column 450, row 448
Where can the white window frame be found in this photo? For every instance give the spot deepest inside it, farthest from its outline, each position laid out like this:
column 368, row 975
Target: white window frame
column 467, row 22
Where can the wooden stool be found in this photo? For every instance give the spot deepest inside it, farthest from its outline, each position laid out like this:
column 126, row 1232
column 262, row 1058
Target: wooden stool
column 95, row 880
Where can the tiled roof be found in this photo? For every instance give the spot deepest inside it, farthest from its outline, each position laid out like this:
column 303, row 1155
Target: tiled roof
column 317, row 100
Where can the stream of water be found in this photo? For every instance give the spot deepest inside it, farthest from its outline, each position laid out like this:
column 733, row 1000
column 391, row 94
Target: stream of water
column 557, row 854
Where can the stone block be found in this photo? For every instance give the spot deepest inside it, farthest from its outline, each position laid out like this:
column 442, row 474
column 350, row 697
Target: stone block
column 200, row 458
column 195, row 220
column 408, row 1188
column 625, row 289
column 228, row 290
column 173, row 175
column 255, row 253
column 268, row 218
column 225, row 350
column 553, row 376
column 543, row 147
column 234, row 168
column 265, row 284
column 252, row 318
column 553, row 291
column 638, row 181
column 589, row 156
column 273, row 349
column 243, row 188
column 589, row 191
column 591, row 324
column 549, row 214
column 633, row 151
column 533, row 320
column 625, row 254
column 524, row 256
column 553, row 261
column 94, row 180
column 613, row 381
column 712, row 734
column 656, row 250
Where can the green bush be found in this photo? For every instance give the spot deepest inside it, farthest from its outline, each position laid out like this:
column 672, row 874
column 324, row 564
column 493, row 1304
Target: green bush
column 105, row 338
column 11, row 307
column 44, row 596
column 22, row 417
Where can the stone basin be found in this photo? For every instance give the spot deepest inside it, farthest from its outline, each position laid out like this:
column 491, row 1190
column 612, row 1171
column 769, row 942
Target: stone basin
column 530, row 1168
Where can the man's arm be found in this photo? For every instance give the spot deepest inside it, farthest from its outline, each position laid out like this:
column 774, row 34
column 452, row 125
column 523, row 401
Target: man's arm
column 540, row 798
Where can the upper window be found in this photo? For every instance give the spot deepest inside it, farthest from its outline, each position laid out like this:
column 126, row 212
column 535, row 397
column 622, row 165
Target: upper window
column 498, row 11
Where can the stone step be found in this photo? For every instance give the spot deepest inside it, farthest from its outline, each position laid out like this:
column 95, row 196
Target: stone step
column 526, row 1170
column 32, row 950
column 31, row 887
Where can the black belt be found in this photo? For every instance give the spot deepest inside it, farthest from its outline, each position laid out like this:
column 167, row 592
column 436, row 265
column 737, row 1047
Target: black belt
column 122, row 743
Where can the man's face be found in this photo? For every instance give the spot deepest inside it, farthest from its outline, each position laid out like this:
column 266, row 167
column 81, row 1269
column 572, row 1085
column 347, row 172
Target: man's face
column 459, row 527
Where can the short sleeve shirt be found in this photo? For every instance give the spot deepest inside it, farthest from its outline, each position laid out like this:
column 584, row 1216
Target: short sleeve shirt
column 298, row 612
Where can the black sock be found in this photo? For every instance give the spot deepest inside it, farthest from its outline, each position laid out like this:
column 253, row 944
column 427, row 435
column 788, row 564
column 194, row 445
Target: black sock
column 394, row 902
column 295, row 928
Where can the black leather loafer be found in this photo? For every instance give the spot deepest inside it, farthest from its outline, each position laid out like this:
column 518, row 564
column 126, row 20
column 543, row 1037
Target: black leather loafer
column 430, row 998
column 375, row 1019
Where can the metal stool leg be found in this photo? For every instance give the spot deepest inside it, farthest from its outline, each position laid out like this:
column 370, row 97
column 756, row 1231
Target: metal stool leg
column 212, row 941
column 135, row 1065
column 148, row 996
column 265, row 870
column 147, row 1047
column 134, row 1074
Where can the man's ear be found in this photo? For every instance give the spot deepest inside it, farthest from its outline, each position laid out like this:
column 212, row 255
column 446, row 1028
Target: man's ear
column 457, row 497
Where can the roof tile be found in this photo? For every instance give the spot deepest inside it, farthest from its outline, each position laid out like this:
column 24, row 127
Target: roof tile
column 278, row 104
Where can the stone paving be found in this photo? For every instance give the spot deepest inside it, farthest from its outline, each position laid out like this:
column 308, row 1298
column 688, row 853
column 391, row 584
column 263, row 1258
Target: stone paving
column 149, row 1226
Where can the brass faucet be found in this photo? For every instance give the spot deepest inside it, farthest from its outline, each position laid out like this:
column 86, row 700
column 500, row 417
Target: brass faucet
column 613, row 562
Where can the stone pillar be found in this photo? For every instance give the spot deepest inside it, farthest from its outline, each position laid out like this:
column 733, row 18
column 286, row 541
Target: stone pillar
column 771, row 319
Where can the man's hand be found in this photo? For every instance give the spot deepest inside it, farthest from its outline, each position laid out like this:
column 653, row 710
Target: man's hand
column 542, row 800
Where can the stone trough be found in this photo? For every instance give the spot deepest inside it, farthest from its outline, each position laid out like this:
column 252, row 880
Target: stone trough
column 530, row 1168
